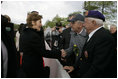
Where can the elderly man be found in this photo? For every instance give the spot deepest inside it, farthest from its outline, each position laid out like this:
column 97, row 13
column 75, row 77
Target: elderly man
column 113, row 30
column 78, row 38
column 65, row 41
column 99, row 55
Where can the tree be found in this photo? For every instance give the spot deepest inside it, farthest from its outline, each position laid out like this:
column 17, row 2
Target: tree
column 108, row 8
column 56, row 19
column 78, row 12
column 49, row 23
column 89, row 5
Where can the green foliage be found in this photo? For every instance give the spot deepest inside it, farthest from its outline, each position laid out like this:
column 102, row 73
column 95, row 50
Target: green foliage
column 106, row 26
column 90, row 5
column 78, row 12
column 108, row 8
column 49, row 23
column 55, row 20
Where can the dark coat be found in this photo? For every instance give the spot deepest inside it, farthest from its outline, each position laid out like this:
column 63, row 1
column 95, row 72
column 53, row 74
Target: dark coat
column 10, row 45
column 65, row 41
column 33, row 48
column 56, row 38
column 64, row 44
column 99, row 56
column 115, row 37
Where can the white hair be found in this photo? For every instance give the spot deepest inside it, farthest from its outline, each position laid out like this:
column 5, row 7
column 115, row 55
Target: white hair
column 98, row 21
column 113, row 26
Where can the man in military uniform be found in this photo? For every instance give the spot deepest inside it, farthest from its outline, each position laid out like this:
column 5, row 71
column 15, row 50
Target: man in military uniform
column 98, row 58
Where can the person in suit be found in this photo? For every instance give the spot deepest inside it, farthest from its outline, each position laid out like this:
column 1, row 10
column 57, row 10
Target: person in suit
column 65, row 41
column 98, row 58
column 99, row 54
column 10, row 28
column 56, row 35
column 33, row 47
column 8, row 52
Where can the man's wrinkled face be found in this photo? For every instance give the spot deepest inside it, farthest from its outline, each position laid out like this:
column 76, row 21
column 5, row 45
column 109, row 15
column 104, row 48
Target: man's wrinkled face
column 76, row 25
column 113, row 29
column 88, row 24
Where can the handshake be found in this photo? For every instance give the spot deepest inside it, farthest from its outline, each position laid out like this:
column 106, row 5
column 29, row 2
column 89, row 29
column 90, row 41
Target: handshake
column 63, row 53
column 67, row 68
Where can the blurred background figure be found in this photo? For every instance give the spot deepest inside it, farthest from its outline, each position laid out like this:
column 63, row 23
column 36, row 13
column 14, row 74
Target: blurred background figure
column 67, row 26
column 20, row 29
column 65, row 41
column 56, row 36
column 113, row 30
column 9, row 63
column 66, row 34
column 19, row 53
column 47, row 35
column 10, row 28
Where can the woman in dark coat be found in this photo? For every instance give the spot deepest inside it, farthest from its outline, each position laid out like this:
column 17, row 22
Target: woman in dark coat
column 33, row 48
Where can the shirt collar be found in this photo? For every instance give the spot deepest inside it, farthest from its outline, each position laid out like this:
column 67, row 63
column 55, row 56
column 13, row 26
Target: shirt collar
column 91, row 34
column 80, row 31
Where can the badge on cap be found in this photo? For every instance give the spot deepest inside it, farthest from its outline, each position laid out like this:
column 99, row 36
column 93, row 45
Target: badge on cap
column 86, row 13
column 86, row 54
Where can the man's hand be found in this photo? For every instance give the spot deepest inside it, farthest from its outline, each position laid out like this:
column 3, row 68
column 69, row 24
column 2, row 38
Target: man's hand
column 63, row 53
column 69, row 68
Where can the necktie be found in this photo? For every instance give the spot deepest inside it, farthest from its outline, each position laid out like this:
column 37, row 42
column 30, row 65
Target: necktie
column 87, row 37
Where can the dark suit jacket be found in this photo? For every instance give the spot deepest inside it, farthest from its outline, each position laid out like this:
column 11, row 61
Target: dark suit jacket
column 65, row 41
column 99, row 56
column 115, row 37
column 33, row 48
column 10, row 45
column 11, row 32
column 64, row 44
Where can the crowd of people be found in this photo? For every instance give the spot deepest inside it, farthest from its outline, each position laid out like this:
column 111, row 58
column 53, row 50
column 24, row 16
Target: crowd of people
column 84, row 47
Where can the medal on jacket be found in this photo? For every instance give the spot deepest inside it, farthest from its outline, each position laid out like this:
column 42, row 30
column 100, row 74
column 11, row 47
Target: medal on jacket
column 76, row 50
column 86, row 54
